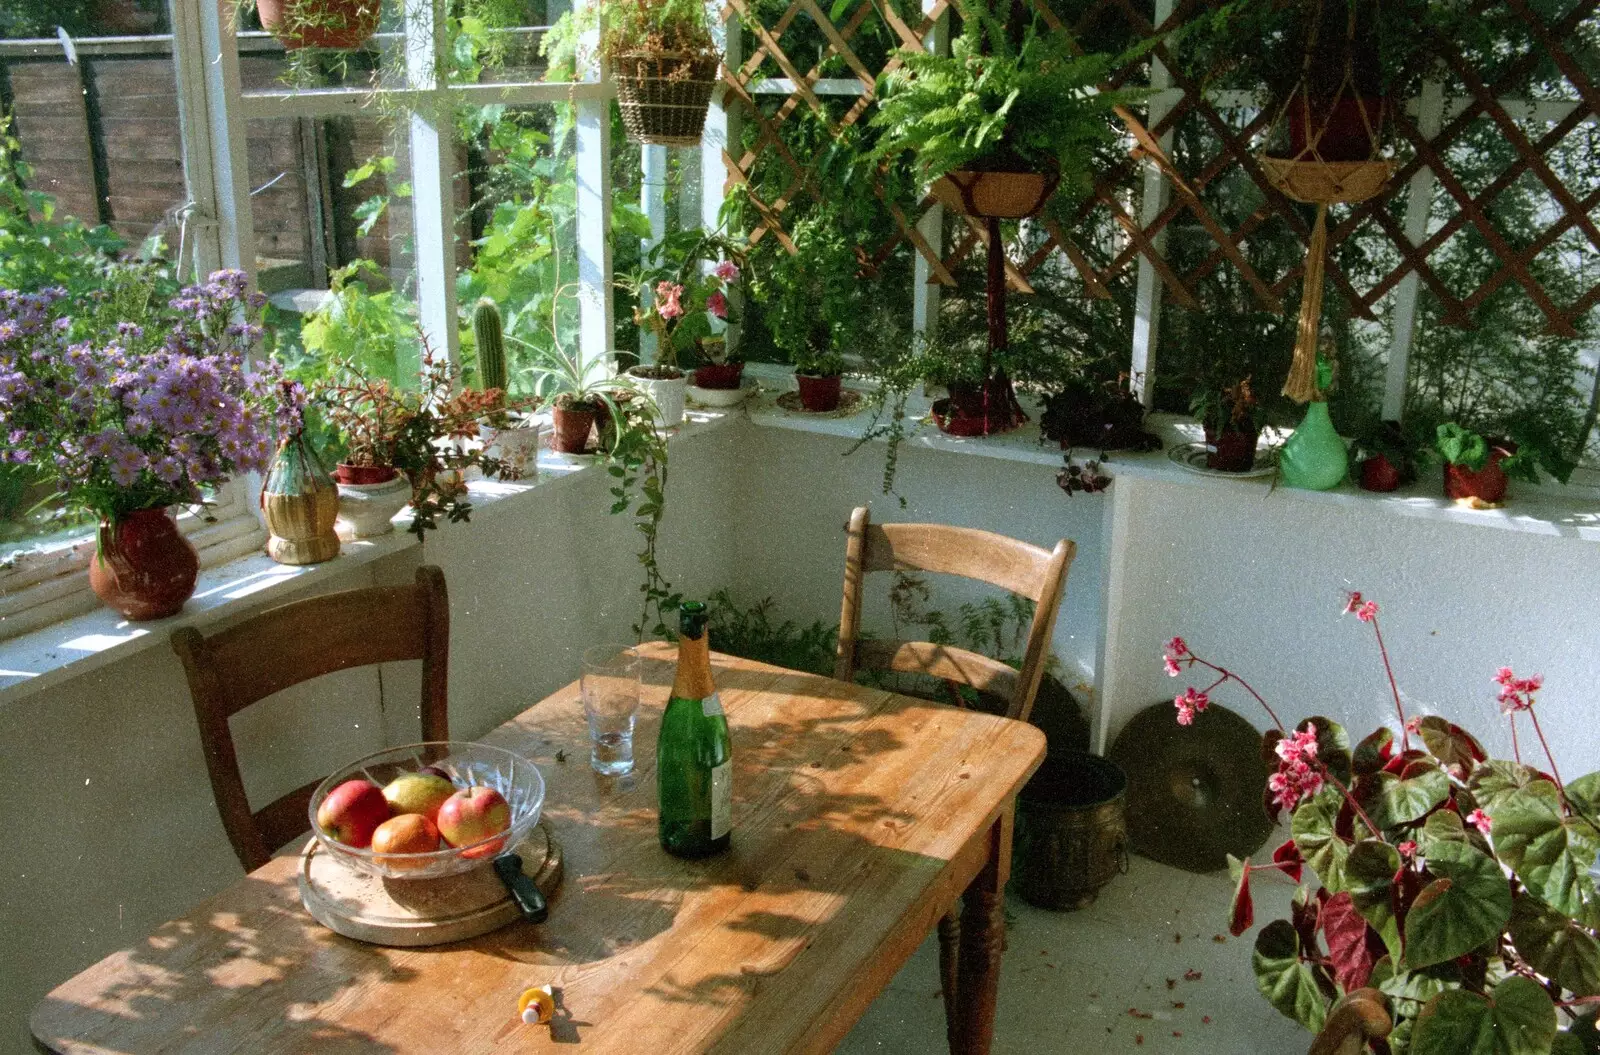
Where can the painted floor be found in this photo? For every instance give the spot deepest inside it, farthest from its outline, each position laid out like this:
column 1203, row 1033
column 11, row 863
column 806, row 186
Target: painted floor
column 1147, row 968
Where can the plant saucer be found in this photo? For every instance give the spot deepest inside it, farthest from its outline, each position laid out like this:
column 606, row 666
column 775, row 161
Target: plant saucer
column 1192, row 456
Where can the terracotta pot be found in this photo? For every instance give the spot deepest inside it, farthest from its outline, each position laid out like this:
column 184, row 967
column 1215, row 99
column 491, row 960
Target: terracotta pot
column 819, row 394
column 979, row 409
column 1235, row 451
column 1378, row 473
column 342, row 24
column 142, row 566
column 1487, row 486
column 364, row 475
column 719, row 376
column 982, row 193
column 1344, row 132
column 572, row 428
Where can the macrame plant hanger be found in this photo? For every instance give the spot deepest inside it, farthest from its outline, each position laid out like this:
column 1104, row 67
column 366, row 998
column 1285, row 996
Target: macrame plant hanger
column 1311, row 177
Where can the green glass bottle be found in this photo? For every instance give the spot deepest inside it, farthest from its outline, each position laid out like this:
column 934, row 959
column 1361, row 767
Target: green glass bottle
column 694, row 758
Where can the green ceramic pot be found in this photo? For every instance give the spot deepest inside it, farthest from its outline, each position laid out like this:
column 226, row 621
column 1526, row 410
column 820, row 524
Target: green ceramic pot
column 1314, row 457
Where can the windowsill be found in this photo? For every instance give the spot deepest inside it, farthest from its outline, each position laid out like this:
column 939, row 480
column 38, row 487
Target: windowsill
column 75, row 646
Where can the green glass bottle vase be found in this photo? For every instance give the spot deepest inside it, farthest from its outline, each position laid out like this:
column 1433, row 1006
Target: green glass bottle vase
column 1314, row 457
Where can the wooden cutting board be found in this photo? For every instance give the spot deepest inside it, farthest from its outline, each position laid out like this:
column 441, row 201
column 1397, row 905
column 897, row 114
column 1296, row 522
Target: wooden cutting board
column 416, row 912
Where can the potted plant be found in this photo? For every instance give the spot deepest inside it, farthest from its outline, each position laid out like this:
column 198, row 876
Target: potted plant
column 1101, row 415
column 338, row 24
column 819, row 376
column 681, row 304
column 815, row 304
column 662, row 58
column 1386, row 456
column 1478, row 469
column 719, row 378
column 510, row 434
column 578, row 394
column 134, row 405
column 1453, row 909
column 1232, row 426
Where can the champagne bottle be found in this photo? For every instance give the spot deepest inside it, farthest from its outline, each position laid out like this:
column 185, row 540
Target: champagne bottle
column 694, row 767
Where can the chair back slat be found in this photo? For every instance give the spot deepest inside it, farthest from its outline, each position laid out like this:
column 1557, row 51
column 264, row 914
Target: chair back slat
column 1020, row 567
column 296, row 642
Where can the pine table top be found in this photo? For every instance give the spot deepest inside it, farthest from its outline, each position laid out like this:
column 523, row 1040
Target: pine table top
column 859, row 817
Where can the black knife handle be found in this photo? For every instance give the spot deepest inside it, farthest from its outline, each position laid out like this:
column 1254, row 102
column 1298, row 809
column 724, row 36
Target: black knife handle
column 523, row 890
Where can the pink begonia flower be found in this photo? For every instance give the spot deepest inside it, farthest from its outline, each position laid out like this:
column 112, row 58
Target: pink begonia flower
column 669, row 292
column 1178, row 647
column 726, row 270
column 1190, row 704
column 1173, row 651
column 717, row 305
column 1296, row 778
column 1407, row 848
column 1479, row 820
column 1363, row 610
column 1516, row 694
column 1171, row 665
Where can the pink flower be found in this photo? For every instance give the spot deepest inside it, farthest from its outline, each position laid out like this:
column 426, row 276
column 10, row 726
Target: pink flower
column 1174, row 651
column 1516, row 694
column 669, row 292
column 1407, row 848
column 1479, row 820
column 1366, row 611
column 1190, row 704
column 1172, row 666
column 1298, row 746
column 1177, row 647
column 726, row 270
column 1297, row 778
column 717, row 305
column 1352, row 601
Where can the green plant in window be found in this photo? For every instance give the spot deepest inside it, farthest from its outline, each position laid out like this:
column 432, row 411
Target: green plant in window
column 682, row 27
column 40, row 248
column 815, row 300
column 360, row 327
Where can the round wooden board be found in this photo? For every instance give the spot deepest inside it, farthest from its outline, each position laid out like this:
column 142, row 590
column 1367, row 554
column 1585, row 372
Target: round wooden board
column 415, row 912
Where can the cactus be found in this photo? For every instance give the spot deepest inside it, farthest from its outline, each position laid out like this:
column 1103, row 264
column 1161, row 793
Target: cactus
column 490, row 336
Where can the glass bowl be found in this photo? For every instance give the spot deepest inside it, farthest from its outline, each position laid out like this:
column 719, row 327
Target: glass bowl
column 514, row 777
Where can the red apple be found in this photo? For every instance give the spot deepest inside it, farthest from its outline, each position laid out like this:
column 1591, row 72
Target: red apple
column 352, row 812
column 409, row 833
column 420, row 793
column 472, row 815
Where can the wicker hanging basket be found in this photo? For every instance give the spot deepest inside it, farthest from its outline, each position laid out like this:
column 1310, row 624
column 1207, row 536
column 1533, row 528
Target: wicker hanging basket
column 664, row 95
column 1317, row 182
column 984, row 194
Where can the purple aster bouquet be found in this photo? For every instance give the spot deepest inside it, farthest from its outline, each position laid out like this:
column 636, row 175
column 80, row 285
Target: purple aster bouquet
column 132, row 404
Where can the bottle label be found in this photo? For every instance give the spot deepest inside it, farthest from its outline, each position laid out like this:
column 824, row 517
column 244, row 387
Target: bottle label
column 711, row 706
column 721, row 800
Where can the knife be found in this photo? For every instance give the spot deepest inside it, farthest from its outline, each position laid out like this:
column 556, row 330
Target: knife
column 523, row 890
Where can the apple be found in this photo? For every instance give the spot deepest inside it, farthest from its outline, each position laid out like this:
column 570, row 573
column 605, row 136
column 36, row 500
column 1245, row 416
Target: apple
column 409, row 833
column 472, row 815
column 352, row 812
column 420, row 793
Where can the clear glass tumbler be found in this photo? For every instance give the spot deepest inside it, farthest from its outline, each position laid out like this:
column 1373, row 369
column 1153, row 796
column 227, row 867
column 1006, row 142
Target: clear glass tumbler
column 610, row 689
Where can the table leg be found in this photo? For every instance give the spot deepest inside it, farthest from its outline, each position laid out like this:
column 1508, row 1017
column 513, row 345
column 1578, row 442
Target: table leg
column 950, row 975
column 983, row 932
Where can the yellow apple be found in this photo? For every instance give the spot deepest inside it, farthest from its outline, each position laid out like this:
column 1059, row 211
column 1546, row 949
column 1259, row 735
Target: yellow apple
column 420, row 793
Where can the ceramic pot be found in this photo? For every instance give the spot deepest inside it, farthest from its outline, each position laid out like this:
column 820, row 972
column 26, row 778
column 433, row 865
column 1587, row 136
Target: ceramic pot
column 301, row 504
column 1314, row 457
column 1378, row 473
column 667, row 393
column 819, row 394
column 342, row 24
column 1235, row 451
column 572, row 426
column 719, row 376
column 143, row 567
column 369, row 498
column 1487, row 486
column 515, row 447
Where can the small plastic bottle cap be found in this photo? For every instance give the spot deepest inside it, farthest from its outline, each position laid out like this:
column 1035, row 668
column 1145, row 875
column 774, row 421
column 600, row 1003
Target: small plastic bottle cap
column 536, row 1005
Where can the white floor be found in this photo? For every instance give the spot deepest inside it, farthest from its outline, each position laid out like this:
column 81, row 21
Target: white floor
column 1149, row 967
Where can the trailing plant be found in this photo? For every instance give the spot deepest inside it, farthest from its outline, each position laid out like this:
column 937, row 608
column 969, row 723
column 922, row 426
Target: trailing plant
column 623, row 26
column 996, row 102
column 1454, row 897
column 1087, row 477
column 754, row 633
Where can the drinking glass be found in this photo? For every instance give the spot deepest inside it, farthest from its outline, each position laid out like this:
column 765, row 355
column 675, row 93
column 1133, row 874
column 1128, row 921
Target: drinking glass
column 610, row 690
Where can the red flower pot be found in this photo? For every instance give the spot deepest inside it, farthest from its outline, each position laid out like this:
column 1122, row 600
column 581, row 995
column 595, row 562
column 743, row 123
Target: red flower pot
column 1379, row 474
column 1235, row 451
column 1487, row 486
column 340, row 24
column 819, row 394
column 1343, row 127
column 364, row 474
column 979, row 409
column 142, row 566
column 719, row 375
column 572, row 428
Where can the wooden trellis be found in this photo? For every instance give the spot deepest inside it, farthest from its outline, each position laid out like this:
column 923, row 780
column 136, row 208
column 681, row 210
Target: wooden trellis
column 1467, row 99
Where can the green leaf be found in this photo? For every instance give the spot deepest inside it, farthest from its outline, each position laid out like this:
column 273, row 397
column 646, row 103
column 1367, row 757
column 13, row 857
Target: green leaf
column 1391, row 802
column 1466, row 907
column 1491, row 782
column 1313, row 829
column 1284, row 979
column 1549, row 852
column 1369, row 872
column 1369, row 753
column 1584, row 795
column 1413, row 988
column 1517, row 1019
column 1567, row 1044
column 1555, row 946
column 1443, row 825
column 1333, row 746
column 1451, row 745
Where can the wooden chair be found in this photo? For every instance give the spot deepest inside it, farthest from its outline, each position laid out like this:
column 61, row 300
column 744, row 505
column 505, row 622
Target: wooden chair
column 1037, row 574
column 295, row 642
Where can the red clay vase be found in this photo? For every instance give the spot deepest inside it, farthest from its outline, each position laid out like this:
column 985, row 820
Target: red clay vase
column 1235, row 451
column 1379, row 474
column 341, row 24
column 364, row 475
column 819, row 394
column 571, row 430
column 1487, row 486
column 143, row 567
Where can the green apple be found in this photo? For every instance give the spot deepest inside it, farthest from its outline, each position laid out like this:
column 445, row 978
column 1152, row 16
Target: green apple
column 420, row 793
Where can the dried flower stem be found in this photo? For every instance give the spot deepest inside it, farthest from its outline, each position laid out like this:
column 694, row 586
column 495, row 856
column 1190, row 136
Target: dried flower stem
column 1228, row 675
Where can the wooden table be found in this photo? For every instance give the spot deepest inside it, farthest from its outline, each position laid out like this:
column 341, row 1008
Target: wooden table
column 859, row 817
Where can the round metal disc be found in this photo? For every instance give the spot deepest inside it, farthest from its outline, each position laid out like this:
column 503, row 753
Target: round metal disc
column 1194, row 792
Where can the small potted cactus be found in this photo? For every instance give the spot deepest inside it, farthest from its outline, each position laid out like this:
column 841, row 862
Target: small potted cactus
column 509, row 437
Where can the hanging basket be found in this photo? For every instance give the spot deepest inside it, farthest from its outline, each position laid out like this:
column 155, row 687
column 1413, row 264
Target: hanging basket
column 1318, row 182
column 664, row 95
column 1005, row 195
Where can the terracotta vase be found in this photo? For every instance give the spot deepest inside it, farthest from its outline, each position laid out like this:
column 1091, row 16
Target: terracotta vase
column 143, row 567
column 1485, row 487
column 301, row 504
column 819, row 394
column 341, row 24
column 572, row 428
